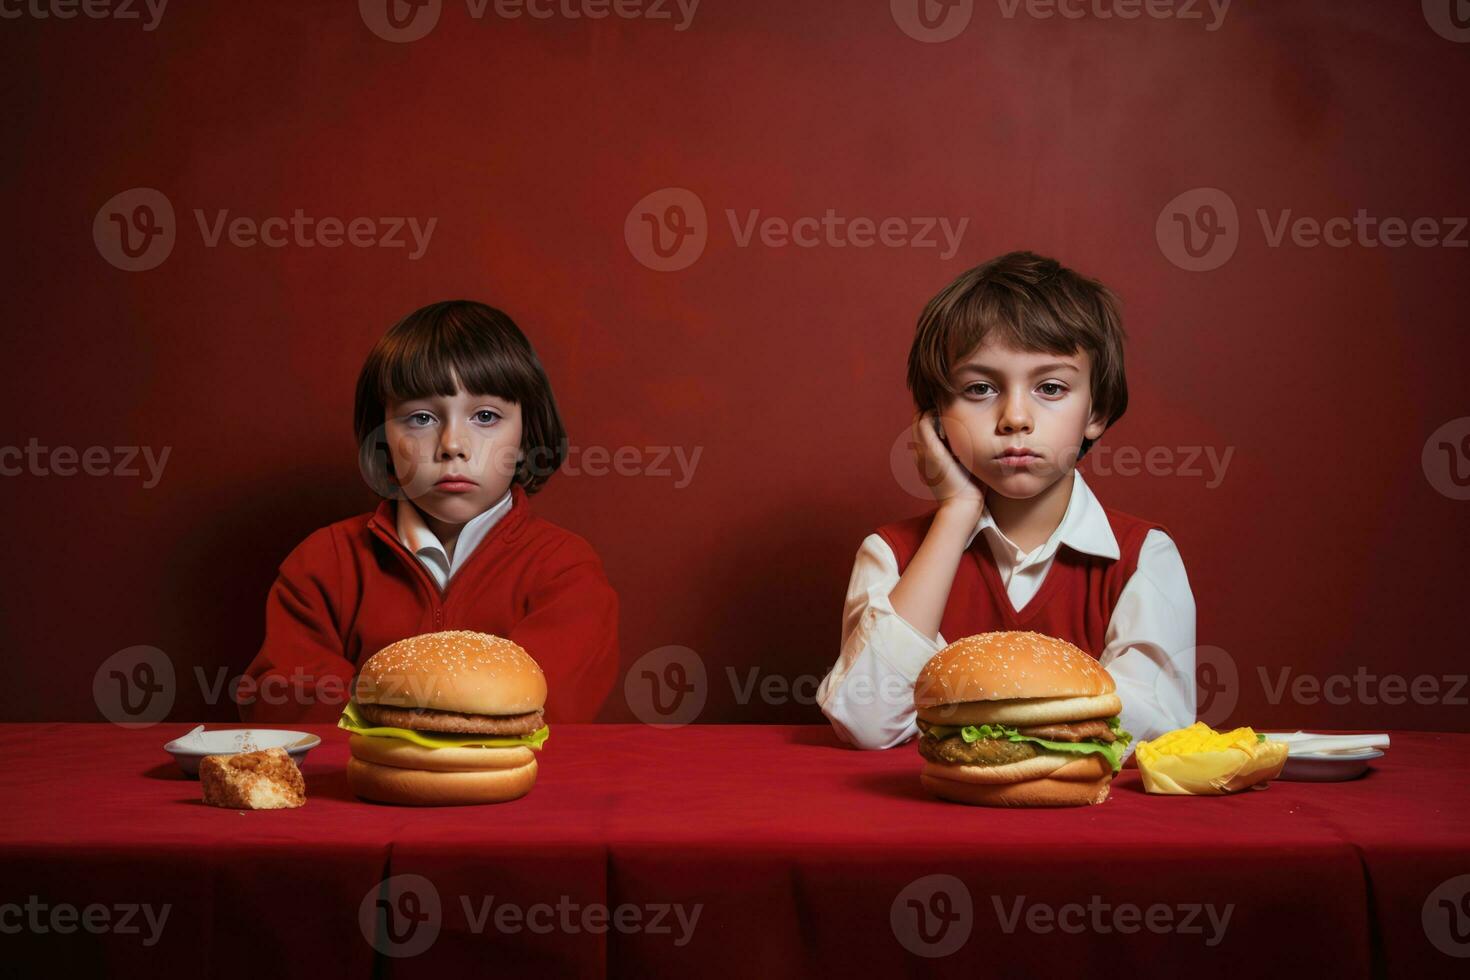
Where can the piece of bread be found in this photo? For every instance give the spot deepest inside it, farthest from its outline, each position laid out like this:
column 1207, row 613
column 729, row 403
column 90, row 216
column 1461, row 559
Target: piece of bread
column 263, row 780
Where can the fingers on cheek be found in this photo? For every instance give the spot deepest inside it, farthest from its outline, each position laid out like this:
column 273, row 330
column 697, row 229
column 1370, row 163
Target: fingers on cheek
column 961, row 440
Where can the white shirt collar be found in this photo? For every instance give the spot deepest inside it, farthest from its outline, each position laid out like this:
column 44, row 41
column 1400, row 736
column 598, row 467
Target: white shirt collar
column 1085, row 526
column 417, row 537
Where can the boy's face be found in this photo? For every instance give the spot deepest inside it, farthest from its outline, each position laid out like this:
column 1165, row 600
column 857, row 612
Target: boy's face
column 1016, row 399
column 454, row 457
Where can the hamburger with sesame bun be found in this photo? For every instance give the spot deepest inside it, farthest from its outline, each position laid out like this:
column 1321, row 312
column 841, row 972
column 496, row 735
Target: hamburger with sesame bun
column 446, row 719
column 1018, row 719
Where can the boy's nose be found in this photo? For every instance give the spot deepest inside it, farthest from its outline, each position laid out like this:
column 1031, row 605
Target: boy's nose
column 1014, row 416
column 451, row 443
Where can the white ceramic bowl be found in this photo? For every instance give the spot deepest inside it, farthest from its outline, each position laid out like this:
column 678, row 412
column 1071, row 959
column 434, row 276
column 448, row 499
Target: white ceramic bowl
column 189, row 749
column 1328, row 767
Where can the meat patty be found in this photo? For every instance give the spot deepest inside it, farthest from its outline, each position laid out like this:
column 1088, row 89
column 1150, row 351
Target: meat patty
column 985, row 752
column 1096, row 730
column 450, row 722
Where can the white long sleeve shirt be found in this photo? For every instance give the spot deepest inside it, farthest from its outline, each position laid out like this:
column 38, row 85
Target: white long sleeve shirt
column 420, row 539
column 1149, row 648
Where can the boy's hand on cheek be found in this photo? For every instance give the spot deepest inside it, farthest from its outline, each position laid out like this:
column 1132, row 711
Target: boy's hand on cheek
column 951, row 484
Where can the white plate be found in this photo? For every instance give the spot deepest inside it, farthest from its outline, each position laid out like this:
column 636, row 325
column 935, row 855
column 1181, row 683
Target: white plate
column 189, row 749
column 1328, row 767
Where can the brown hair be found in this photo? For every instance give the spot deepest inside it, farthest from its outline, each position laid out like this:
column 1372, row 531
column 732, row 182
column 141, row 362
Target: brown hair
column 1033, row 303
column 481, row 347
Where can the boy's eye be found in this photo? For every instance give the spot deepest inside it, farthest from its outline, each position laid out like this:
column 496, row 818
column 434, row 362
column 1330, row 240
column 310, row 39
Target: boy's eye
column 1058, row 389
column 974, row 389
column 485, row 416
column 421, row 418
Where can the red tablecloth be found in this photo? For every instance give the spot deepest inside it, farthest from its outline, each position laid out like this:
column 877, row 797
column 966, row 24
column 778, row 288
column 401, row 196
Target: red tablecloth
column 722, row 850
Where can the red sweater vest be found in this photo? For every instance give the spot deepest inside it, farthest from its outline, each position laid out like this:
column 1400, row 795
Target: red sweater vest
column 352, row 588
column 1075, row 602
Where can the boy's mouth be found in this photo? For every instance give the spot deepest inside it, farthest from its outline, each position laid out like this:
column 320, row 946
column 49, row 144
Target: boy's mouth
column 1018, row 457
column 454, row 483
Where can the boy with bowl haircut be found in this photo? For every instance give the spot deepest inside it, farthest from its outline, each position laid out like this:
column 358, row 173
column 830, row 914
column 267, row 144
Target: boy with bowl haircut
column 1016, row 370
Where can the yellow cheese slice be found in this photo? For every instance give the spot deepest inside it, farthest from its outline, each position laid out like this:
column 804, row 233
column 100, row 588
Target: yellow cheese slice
column 353, row 721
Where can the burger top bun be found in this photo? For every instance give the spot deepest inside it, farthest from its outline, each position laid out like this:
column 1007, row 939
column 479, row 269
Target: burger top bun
column 1007, row 666
column 458, row 670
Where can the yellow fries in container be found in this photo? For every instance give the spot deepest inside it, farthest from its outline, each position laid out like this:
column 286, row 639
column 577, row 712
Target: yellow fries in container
column 1199, row 761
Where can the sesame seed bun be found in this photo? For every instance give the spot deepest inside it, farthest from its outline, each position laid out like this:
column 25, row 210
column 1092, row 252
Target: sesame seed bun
column 458, row 671
column 1009, row 666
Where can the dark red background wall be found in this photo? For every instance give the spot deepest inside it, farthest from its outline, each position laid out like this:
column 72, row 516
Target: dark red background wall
column 1326, row 549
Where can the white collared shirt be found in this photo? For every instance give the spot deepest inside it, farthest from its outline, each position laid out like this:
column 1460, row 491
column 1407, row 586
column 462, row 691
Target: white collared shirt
column 1148, row 648
column 429, row 550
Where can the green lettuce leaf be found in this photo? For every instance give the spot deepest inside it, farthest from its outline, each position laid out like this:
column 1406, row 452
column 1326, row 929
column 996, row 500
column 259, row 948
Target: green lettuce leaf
column 1112, row 751
column 353, row 721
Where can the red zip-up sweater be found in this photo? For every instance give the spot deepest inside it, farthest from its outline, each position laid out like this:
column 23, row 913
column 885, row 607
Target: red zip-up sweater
column 352, row 588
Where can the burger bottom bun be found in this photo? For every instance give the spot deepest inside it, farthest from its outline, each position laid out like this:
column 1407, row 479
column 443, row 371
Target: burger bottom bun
column 421, row 787
column 406, row 755
column 1034, row 792
column 1049, row 779
column 1022, row 711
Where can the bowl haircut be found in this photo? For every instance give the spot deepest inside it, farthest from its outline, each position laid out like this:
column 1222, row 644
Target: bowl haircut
column 434, row 351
